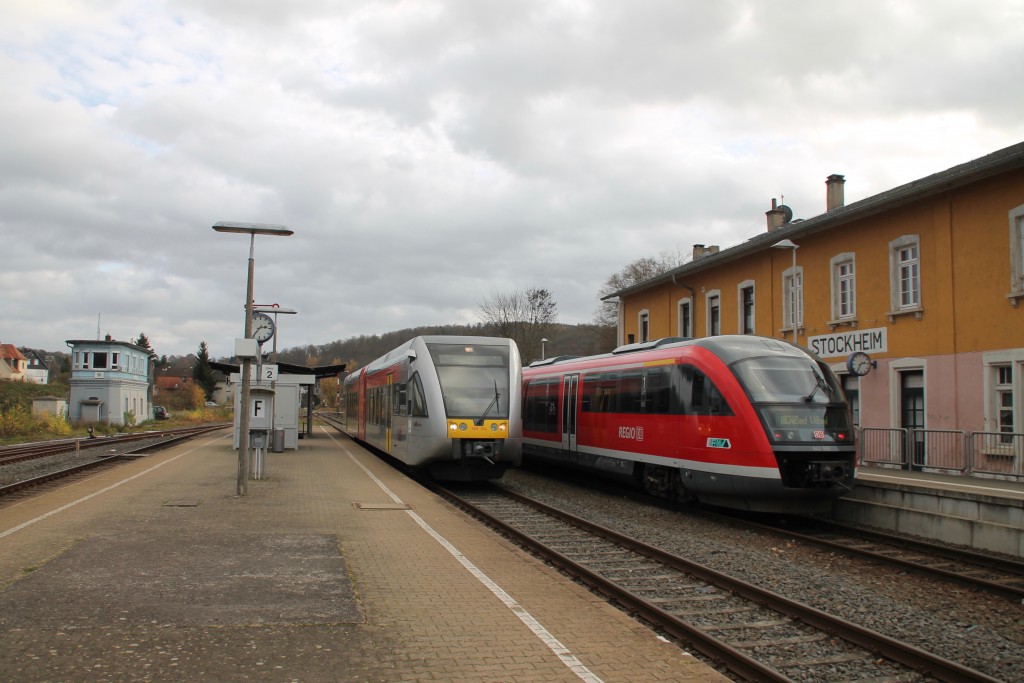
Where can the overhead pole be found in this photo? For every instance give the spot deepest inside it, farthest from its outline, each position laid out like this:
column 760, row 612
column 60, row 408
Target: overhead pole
column 251, row 229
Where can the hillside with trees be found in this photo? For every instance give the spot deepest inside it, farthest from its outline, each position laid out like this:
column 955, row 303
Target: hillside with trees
column 563, row 340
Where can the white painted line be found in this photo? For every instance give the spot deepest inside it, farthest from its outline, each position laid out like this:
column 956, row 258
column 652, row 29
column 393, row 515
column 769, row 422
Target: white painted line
column 92, row 495
column 553, row 644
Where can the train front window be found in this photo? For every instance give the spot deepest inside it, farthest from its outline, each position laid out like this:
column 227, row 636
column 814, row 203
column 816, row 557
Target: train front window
column 798, row 399
column 474, row 379
column 787, row 380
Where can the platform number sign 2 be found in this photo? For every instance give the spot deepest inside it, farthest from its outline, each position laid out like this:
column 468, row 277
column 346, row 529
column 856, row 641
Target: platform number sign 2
column 268, row 373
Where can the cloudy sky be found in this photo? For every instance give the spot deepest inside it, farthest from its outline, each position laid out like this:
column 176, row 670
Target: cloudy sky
column 429, row 154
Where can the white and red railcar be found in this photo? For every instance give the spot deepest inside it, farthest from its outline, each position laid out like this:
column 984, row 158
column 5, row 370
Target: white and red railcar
column 741, row 422
column 446, row 404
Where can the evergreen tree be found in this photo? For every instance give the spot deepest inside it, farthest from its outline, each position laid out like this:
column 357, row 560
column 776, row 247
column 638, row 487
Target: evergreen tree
column 202, row 373
column 143, row 341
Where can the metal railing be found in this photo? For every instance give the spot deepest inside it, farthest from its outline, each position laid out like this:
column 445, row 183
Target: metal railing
column 946, row 451
column 997, row 453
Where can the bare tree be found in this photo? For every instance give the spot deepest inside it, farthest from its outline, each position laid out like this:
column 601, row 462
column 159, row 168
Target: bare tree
column 633, row 273
column 526, row 316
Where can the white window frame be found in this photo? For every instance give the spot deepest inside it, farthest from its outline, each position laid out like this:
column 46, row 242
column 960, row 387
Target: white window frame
column 992, row 362
column 897, row 270
column 1016, row 218
column 792, row 285
column 746, row 284
column 836, row 264
column 642, row 317
column 715, row 294
column 683, row 332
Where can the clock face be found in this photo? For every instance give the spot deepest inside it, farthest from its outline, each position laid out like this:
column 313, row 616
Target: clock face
column 859, row 363
column 262, row 327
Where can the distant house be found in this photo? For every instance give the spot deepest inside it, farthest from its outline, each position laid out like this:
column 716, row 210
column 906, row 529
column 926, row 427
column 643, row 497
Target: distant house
column 110, row 381
column 12, row 364
column 38, row 371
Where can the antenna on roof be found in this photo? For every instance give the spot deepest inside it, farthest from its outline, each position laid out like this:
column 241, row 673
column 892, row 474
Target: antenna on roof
column 98, row 317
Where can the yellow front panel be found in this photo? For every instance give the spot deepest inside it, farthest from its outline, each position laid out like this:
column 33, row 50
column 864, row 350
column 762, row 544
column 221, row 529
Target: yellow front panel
column 465, row 429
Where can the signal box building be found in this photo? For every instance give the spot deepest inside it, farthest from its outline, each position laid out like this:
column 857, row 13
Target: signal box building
column 912, row 296
column 110, row 381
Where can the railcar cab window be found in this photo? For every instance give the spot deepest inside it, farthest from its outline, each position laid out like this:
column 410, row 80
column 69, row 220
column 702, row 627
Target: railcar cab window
column 418, row 403
column 474, row 379
column 798, row 399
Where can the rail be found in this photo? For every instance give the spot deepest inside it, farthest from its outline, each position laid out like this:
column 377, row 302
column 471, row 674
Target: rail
column 995, row 454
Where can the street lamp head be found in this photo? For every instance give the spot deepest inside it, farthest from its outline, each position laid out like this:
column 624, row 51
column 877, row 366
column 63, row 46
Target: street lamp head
column 253, row 228
column 786, row 244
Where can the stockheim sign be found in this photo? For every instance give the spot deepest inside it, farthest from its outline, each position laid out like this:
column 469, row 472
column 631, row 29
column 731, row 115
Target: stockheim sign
column 845, row 343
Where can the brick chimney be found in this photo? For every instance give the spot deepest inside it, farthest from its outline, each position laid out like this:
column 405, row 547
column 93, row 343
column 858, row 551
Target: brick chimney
column 776, row 216
column 699, row 250
column 834, row 191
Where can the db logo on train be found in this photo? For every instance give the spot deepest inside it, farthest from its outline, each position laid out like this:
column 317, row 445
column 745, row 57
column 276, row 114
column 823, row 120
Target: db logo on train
column 634, row 433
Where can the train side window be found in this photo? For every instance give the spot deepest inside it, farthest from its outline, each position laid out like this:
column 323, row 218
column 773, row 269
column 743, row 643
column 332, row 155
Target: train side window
column 631, row 397
column 540, row 406
column 419, row 401
column 600, row 391
column 658, row 391
column 401, row 399
column 698, row 395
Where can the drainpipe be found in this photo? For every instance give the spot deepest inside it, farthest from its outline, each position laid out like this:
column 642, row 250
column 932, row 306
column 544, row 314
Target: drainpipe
column 693, row 301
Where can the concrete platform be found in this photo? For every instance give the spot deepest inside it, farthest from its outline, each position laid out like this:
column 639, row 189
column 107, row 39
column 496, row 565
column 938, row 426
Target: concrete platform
column 973, row 512
column 333, row 568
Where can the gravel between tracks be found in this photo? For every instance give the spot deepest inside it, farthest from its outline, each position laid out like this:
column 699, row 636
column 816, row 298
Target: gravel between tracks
column 967, row 626
column 37, row 467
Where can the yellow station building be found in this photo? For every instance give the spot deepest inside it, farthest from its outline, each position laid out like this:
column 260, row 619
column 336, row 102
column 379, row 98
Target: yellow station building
column 925, row 280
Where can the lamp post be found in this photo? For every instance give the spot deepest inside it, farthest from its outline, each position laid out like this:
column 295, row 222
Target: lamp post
column 789, row 244
column 543, row 341
column 251, row 229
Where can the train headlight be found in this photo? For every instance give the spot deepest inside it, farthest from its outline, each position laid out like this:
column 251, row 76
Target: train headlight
column 494, row 427
column 462, row 427
column 453, row 427
column 503, row 427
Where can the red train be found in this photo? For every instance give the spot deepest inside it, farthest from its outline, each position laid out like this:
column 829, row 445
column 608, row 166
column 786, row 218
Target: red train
column 741, row 422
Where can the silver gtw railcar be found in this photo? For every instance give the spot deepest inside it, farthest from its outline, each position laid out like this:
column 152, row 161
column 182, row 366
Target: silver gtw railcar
column 446, row 404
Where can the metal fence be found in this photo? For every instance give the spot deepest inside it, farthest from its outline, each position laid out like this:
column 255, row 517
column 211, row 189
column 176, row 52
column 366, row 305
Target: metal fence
column 999, row 454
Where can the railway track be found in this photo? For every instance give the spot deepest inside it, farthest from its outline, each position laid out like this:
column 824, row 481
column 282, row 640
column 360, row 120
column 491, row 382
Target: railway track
column 1001, row 576
column 148, row 443
column 756, row 634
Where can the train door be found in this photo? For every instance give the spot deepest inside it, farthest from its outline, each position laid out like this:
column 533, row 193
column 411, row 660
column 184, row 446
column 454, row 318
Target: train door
column 388, row 402
column 570, row 389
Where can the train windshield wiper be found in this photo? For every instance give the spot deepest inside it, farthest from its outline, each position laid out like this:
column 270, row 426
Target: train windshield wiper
column 819, row 383
column 479, row 422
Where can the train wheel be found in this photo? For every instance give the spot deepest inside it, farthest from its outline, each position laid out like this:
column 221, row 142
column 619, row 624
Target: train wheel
column 659, row 481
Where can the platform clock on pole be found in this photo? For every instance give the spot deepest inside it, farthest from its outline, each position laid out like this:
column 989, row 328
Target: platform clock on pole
column 262, row 327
